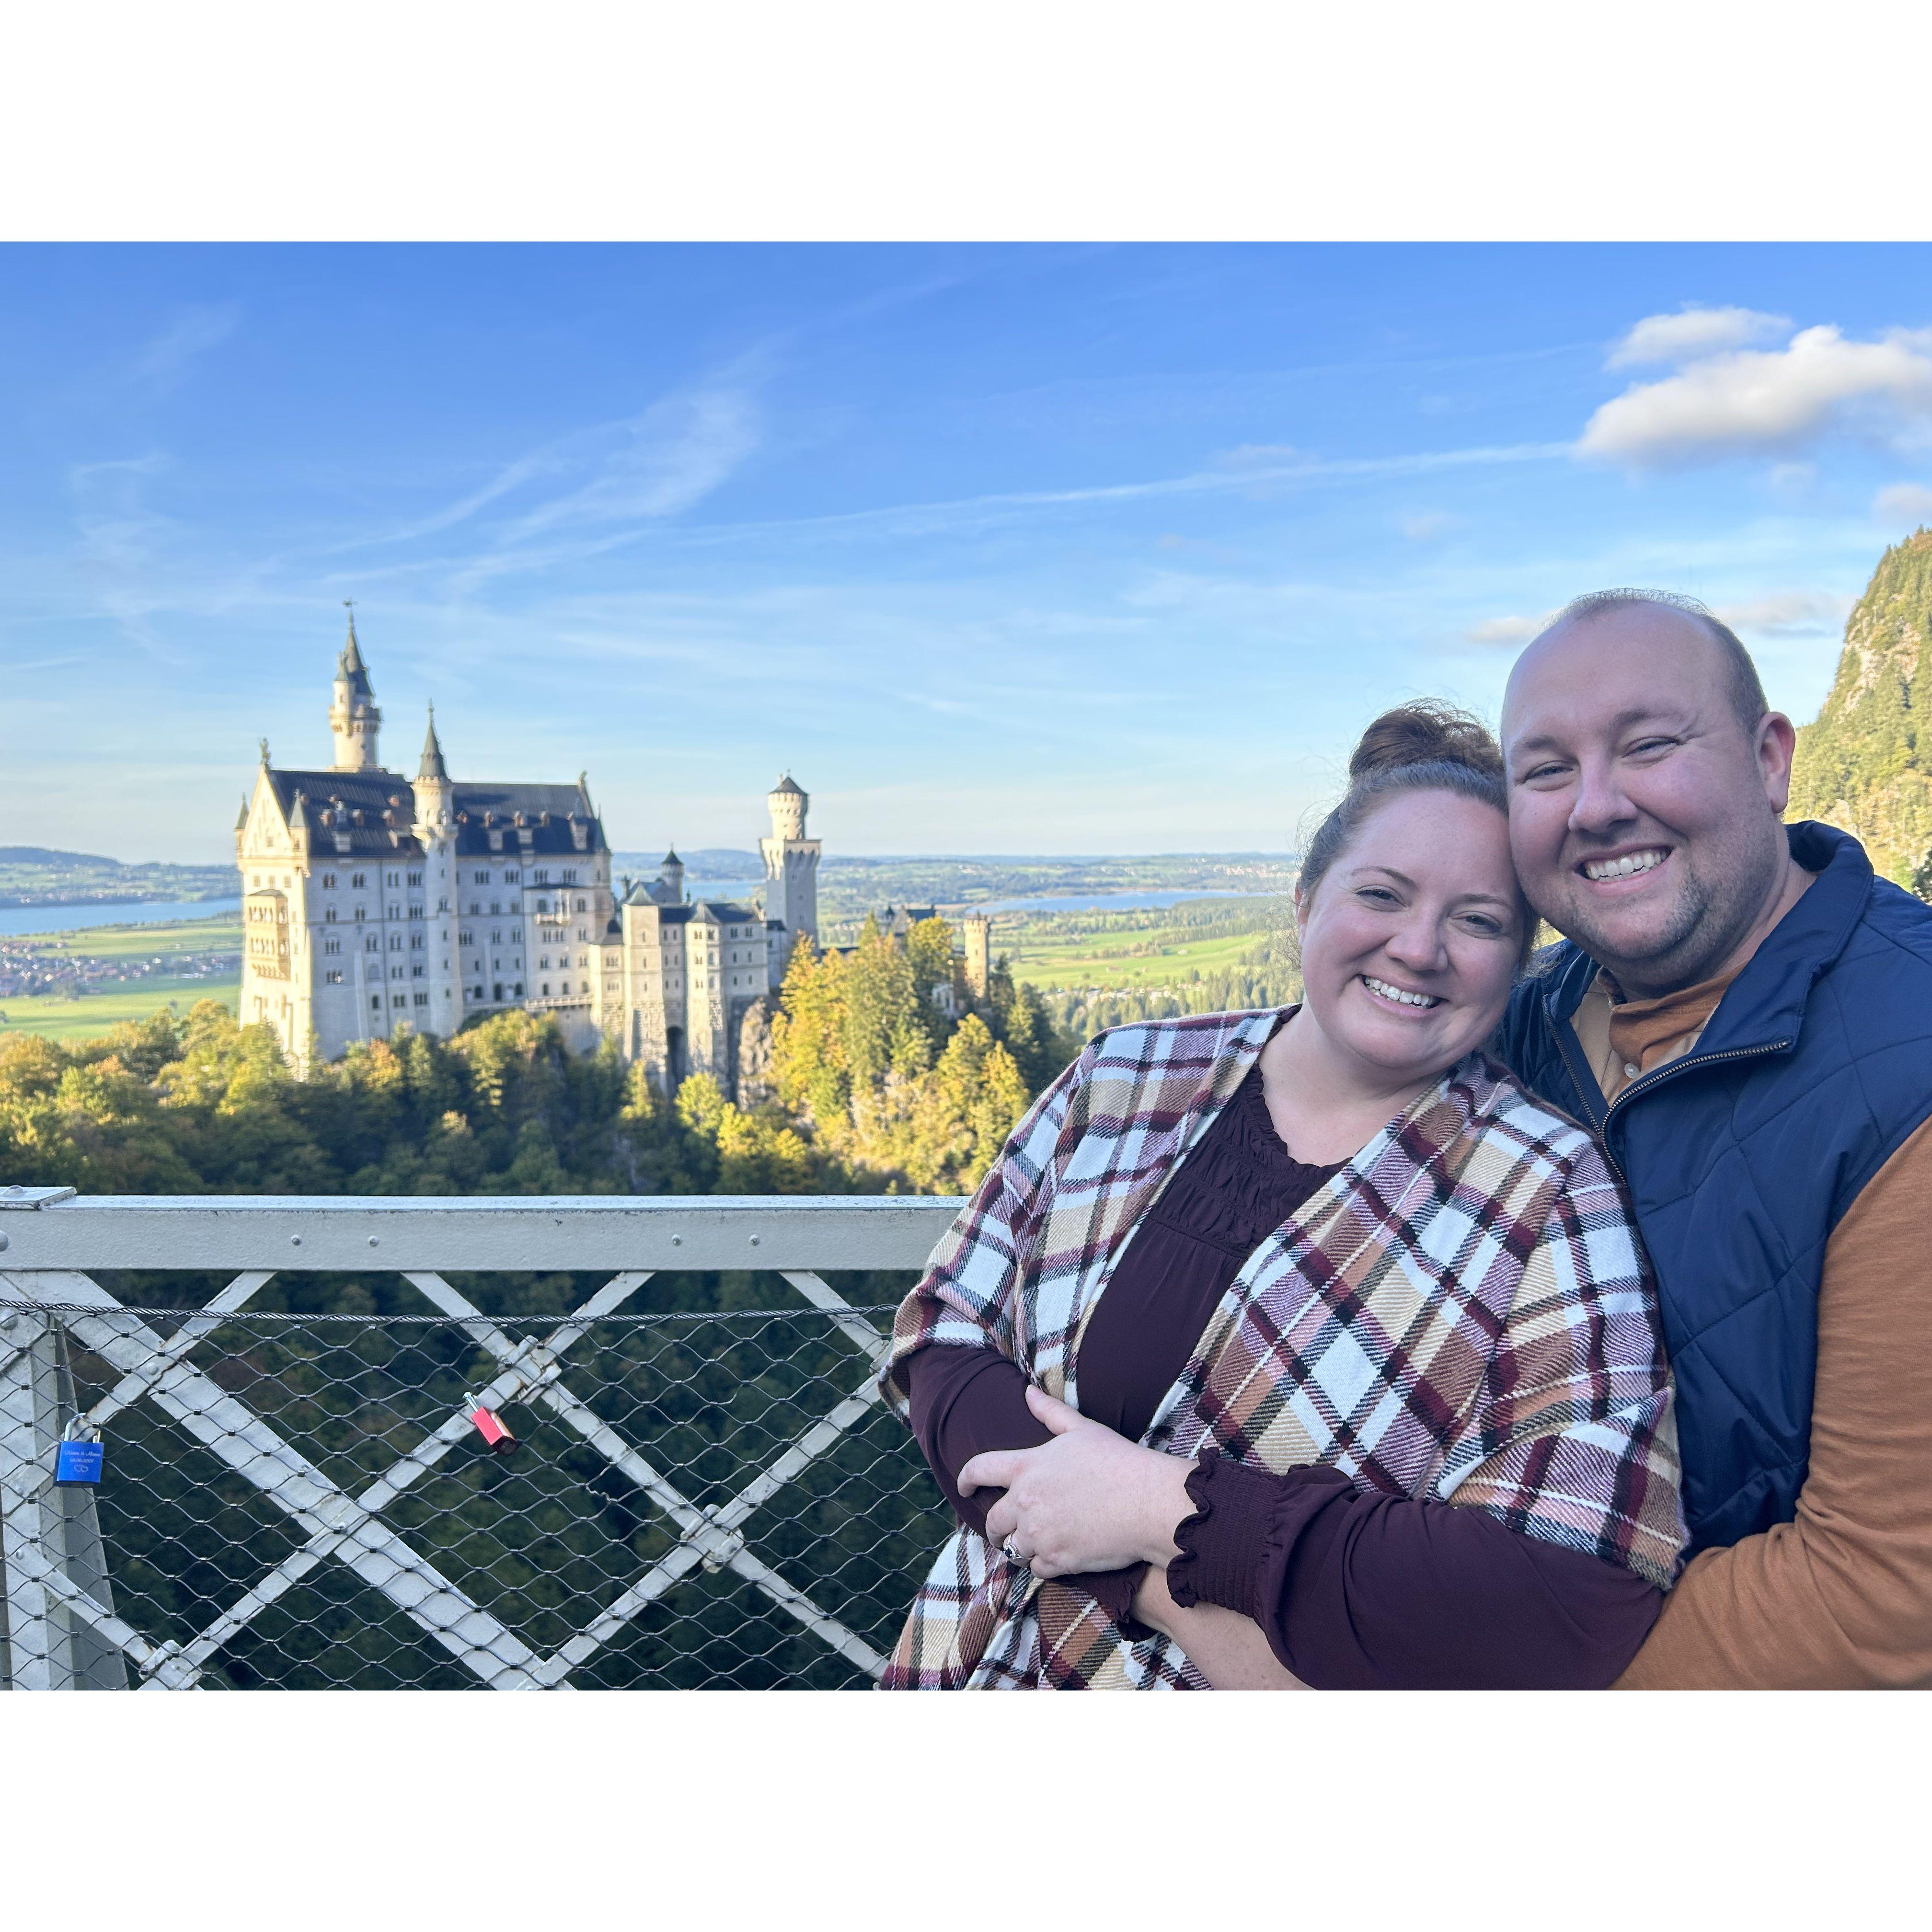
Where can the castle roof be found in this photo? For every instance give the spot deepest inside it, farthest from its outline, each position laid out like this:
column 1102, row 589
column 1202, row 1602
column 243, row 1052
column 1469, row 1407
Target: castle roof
column 788, row 784
column 377, row 812
column 374, row 810
column 547, row 811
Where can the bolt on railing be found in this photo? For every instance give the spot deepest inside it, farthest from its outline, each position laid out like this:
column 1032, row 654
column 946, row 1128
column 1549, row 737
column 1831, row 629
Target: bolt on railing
column 441, row 1461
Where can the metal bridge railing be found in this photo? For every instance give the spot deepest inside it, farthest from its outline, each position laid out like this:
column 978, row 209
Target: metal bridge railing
column 301, row 1484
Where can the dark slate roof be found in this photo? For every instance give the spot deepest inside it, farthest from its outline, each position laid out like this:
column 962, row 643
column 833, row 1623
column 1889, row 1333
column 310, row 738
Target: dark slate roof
column 550, row 840
column 333, row 798
column 787, row 783
column 726, row 913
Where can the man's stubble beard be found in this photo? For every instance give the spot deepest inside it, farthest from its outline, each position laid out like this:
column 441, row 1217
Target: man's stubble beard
column 1703, row 928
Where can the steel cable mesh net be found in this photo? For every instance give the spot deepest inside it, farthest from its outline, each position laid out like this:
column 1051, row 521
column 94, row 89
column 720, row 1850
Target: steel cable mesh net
column 651, row 1556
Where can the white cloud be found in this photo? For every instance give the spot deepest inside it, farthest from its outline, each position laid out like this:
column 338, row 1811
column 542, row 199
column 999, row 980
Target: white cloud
column 1903, row 503
column 1693, row 333
column 1766, row 402
column 1428, row 526
column 1786, row 613
column 198, row 328
column 1504, row 631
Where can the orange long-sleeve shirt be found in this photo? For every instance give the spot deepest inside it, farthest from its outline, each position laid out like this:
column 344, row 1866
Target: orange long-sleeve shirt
column 1841, row 1598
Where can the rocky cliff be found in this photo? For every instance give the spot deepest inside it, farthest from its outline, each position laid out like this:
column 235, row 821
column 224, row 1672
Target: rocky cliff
column 1866, row 763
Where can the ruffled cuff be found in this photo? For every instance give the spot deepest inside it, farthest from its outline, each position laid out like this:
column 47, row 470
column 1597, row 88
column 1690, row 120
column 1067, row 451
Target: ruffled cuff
column 1228, row 1541
column 1222, row 1544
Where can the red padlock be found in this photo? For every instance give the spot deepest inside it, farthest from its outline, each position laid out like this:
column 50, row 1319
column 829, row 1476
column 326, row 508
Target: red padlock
column 488, row 1424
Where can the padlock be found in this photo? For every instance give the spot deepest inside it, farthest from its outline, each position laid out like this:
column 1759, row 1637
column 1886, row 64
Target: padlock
column 488, row 1424
column 78, row 1459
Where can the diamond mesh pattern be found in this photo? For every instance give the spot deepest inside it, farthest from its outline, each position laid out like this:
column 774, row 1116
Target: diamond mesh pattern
column 706, row 1497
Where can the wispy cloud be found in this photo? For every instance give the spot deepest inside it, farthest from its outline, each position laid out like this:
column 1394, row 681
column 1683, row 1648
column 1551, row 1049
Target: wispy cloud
column 1783, row 613
column 1771, row 402
column 1692, row 332
column 197, row 328
column 1504, row 631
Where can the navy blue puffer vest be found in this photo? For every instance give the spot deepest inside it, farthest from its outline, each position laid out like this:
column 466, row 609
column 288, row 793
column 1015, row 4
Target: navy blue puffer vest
column 1741, row 1157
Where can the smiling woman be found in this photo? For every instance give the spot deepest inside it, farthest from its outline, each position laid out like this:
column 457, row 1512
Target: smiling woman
column 1303, row 1348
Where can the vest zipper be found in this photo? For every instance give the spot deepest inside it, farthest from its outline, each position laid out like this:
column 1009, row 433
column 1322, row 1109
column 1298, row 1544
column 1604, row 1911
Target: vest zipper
column 1645, row 1081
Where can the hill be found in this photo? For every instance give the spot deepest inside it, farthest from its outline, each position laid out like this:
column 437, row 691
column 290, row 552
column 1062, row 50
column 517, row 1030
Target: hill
column 1865, row 764
column 32, row 875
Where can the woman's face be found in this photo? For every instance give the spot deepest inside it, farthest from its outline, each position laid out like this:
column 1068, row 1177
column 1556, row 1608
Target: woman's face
column 1410, row 940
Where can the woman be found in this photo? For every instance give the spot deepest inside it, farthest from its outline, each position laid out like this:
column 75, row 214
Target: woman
column 1303, row 1348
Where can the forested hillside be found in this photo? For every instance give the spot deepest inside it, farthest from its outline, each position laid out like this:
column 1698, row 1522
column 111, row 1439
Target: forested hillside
column 1866, row 763
column 868, row 1088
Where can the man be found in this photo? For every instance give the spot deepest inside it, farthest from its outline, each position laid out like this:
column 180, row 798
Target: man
column 1744, row 1014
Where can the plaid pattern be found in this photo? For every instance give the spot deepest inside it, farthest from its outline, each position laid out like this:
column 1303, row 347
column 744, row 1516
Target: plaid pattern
column 1463, row 1313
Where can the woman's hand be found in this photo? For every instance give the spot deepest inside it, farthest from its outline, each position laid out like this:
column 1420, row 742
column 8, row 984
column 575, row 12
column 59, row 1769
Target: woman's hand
column 1088, row 1500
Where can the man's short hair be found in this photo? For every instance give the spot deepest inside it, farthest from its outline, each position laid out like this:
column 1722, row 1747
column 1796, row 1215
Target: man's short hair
column 1747, row 699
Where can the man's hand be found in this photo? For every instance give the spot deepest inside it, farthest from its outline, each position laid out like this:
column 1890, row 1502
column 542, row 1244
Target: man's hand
column 1088, row 1500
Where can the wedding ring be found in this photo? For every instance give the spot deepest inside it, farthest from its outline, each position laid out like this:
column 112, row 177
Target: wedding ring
column 1012, row 1555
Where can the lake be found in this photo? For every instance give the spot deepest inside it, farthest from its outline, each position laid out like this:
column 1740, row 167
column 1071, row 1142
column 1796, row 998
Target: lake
column 15, row 920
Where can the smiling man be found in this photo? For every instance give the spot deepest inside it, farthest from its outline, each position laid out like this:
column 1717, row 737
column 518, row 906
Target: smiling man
column 1744, row 1014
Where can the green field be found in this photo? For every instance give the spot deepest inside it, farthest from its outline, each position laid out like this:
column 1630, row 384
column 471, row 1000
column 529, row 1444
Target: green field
column 139, row 942
column 1119, row 960
column 59, row 1018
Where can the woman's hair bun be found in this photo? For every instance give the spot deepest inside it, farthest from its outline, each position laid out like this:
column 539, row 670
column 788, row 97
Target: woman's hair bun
column 1425, row 733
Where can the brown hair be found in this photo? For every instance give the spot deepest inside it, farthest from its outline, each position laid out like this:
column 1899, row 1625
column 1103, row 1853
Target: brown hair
column 1425, row 746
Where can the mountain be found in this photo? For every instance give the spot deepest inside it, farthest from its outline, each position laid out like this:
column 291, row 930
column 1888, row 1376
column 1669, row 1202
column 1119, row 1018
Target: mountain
column 1865, row 764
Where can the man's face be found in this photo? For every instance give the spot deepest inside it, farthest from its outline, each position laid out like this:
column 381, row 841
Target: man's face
column 1643, row 816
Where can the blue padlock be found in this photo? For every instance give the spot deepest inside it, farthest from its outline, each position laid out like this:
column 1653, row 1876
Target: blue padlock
column 76, row 1461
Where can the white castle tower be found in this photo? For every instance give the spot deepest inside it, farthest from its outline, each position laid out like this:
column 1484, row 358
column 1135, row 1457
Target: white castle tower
column 353, row 719
column 791, row 867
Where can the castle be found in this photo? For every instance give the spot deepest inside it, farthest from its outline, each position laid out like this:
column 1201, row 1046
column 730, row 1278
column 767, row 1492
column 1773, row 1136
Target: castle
column 372, row 904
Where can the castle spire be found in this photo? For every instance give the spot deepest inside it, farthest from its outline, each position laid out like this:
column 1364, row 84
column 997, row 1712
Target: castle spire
column 432, row 766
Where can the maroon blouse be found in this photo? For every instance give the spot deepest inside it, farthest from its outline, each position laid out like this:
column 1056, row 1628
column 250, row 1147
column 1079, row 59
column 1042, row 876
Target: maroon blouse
column 1352, row 1588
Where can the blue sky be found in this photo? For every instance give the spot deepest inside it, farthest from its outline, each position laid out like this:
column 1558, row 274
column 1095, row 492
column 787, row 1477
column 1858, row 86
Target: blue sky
column 1029, row 549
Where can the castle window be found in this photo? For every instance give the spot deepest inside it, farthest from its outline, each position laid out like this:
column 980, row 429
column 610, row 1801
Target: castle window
column 519, row 989
column 479, row 878
column 395, row 942
column 496, row 906
column 395, row 972
column 372, row 944
column 361, row 913
column 328, row 917
column 355, row 879
column 546, row 989
column 496, row 937
column 415, row 942
column 511, row 875
column 416, row 912
column 333, row 978
column 375, row 1000
column 475, row 907
column 331, row 945
column 541, row 875
column 399, row 999
column 395, row 878
column 465, row 939
column 415, row 879
column 545, row 962
column 329, row 881
column 416, row 972
column 543, row 905
column 496, row 992
column 570, row 879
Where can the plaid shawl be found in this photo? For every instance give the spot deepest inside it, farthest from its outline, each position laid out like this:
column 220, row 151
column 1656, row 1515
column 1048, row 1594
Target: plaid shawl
column 1463, row 1313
